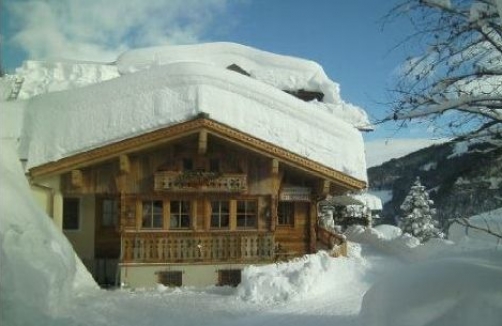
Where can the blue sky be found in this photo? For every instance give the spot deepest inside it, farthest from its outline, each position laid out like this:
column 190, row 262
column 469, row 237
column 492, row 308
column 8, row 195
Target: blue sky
column 345, row 37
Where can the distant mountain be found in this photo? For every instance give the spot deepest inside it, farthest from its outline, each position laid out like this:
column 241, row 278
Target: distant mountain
column 380, row 151
column 463, row 179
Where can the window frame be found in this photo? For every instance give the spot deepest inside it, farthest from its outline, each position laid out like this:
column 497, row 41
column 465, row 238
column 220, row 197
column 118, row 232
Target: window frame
column 114, row 212
column 180, row 215
column 289, row 207
column 246, row 214
column 152, row 214
column 219, row 214
column 229, row 277
column 170, row 278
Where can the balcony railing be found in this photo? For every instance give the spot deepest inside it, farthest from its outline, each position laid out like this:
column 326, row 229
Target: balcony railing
column 189, row 247
column 336, row 243
column 200, row 180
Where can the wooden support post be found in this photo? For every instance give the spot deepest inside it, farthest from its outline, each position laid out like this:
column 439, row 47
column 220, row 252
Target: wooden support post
column 275, row 166
column 77, row 178
column 313, row 224
column 124, row 164
column 202, row 141
column 325, row 187
column 275, row 193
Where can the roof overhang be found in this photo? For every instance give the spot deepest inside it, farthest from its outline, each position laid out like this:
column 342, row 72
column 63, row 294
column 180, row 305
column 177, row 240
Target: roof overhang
column 202, row 122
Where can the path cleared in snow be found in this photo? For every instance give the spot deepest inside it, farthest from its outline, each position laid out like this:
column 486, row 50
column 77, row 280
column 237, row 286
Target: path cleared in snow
column 331, row 293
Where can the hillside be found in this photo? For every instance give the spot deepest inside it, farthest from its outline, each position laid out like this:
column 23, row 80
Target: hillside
column 463, row 179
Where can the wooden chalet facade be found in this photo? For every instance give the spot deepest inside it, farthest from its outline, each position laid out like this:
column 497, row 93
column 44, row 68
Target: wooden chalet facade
column 189, row 204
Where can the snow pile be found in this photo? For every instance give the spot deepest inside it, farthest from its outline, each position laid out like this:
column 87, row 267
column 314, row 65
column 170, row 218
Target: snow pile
column 43, row 77
column 388, row 239
column 39, row 270
column 279, row 71
column 148, row 100
column 445, row 292
column 303, row 278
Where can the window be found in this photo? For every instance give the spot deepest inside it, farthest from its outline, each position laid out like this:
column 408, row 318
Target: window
column 180, row 214
column 152, row 214
column 230, row 277
column 110, row 212
column 220, row 214
column 170, row 278
column 246, row 213
column 71, row 213
column 285, row 213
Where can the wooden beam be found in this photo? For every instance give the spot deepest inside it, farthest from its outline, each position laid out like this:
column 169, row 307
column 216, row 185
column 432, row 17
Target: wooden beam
column 325, row 187
column 124, row 164
column 275, row 166
column 77, row 178
column 178, row 131
column 202, row 141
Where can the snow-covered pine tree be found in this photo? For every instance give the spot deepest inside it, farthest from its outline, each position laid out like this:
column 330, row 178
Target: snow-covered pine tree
column 417, row 218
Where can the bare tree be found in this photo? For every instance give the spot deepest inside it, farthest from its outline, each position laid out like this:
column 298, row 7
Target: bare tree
column 456, row 80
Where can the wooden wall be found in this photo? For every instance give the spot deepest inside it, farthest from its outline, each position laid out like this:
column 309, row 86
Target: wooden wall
column 131, row 179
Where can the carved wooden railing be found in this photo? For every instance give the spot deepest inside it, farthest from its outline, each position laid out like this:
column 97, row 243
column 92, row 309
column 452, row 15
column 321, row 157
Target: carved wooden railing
column 188, row 247
column 336, row 243
column 199, row 180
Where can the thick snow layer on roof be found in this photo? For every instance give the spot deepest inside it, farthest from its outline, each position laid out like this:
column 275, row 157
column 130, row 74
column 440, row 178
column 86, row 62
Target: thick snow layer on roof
column 40, row 77
column 64, row 123
column 280, row 71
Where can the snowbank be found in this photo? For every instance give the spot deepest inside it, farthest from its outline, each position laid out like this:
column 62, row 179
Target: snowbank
column 279, row 71
column 390, row 240
column 151, row 99
column 445, row 292
column 307, row 277
column 39, row 270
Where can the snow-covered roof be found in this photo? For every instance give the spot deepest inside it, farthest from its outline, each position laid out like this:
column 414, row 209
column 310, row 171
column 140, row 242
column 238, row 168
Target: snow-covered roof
column 280, row 71
column 61, row 124
column 40, row 77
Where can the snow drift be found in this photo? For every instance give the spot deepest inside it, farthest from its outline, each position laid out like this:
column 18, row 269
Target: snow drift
column 303, row 278
column 445, row 292
column 39, row 271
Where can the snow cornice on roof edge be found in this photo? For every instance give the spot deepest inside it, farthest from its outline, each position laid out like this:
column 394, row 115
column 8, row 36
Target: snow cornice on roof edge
column 135, row 104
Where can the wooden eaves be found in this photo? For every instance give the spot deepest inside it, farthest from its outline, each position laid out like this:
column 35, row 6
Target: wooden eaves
column 200, row 123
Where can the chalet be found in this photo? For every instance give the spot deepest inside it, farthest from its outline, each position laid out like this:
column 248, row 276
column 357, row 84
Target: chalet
column 185, row 173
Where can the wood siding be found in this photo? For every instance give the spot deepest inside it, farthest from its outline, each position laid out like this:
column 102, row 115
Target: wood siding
column 199, row 170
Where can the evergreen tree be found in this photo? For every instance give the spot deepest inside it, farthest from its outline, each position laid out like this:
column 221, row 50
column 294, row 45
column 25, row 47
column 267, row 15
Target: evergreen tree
column 417, row 218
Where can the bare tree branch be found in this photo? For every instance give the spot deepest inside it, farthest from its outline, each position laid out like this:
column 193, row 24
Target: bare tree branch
column 458, row 68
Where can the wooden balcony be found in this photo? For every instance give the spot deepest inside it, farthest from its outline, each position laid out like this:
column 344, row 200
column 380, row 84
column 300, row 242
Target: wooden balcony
column 194, row 247
column 199, row 181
